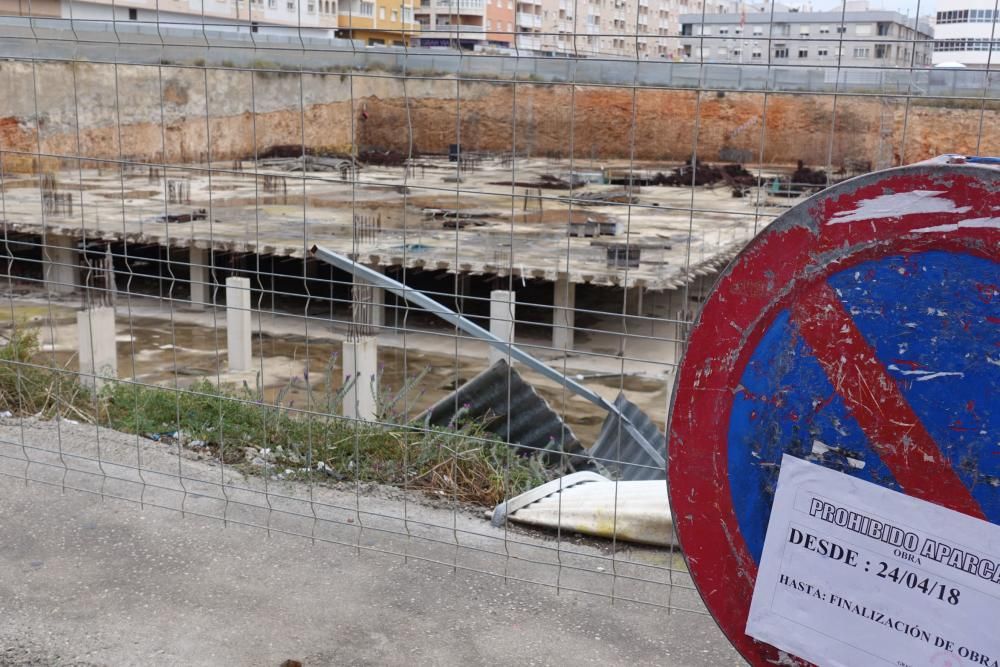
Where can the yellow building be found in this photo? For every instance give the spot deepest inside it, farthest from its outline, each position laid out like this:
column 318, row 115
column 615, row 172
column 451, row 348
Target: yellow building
column 377, row 22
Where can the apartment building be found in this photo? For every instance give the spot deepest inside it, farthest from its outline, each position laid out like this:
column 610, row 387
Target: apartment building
column 967, row 32
column 851, row 39
column 465, row 24
column 388, row 22
column 377, row 22
column 624, row 28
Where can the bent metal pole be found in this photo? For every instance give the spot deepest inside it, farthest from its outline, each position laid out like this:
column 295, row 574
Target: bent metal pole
column 416, row 297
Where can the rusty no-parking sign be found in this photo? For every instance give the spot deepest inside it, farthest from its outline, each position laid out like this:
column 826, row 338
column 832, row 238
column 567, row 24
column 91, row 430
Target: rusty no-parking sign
column 860, row 332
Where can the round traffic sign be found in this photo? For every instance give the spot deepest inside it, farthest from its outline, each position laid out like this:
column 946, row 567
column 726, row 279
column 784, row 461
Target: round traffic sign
column 860, row 331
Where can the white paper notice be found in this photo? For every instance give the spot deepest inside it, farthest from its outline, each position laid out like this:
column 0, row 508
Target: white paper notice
column 856, row 574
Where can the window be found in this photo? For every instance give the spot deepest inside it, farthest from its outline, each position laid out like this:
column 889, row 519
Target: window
column 804, row 31
column 758, row 30
column 884, row 29
column 395, row 15
column 803, row 53
column 133, row 14
column 841, row 29
column 722, row 51
column 367, row 9
column 723, row 31
column 824, row 30
column 756, row 54
column 822, row 52
column 861, row 51
column 780, row 51
column 489, row 24
column 862, row 30
column 381, row 13
column 883, row 50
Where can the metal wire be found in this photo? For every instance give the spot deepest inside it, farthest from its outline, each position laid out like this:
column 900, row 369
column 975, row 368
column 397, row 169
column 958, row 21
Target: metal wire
column 193, row 152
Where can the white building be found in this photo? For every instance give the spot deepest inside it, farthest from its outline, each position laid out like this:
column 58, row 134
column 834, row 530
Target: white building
column 624, row 28
column 964, row 31
column 807, row 39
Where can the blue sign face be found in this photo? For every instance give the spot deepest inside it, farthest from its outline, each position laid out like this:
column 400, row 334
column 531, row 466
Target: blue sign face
column 933, row 322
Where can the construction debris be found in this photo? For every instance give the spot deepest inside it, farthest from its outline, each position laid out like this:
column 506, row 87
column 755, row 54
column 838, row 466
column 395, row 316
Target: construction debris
column 511, row 409
column 619, row 454
column 382, row 157
column 803, row 175
column 309, row 163
column 196, row 214
column 598, row 198
column 590, row 504
column 545, row 181
column 706, row 174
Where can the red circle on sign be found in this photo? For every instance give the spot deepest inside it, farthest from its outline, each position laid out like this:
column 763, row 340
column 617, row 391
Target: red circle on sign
column 897, row 212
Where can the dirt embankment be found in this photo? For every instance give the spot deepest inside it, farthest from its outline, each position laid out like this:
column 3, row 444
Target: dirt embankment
column 185, row 119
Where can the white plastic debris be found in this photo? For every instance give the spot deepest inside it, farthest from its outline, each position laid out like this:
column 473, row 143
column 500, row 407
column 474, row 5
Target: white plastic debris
column 590, row 504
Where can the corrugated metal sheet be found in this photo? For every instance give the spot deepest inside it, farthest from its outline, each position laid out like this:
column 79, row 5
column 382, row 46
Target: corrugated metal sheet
column 630, row 461
column 519, row 416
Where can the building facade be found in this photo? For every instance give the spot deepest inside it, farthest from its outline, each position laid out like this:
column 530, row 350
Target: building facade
column 623, row 28
column 967, row 32
column 376, row 22
column 847, row 39
column 465, row 24
column 388, row 22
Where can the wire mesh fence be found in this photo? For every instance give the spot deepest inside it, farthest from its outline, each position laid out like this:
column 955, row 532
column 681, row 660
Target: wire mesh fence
column 218, row 225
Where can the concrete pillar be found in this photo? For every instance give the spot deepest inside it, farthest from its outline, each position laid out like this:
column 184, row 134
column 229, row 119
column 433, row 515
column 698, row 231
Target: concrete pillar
column 633, row 300
column 377, row 305
column 463, row 285
column 60, row 264
column 502, row 320
column 201, row 273
column 238, row 328
column 563, row 313
column 97, row 352
column 361, row 372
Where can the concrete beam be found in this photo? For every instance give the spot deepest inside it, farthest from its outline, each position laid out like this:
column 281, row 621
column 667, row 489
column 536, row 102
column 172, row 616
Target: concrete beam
column 60, row 264
column 502, row 306
column 563, row 313
column 238, row 324
column 361, row 372
column 201, row 275
column 97, row 350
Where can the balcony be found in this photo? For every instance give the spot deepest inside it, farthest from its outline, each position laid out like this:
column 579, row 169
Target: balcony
column 461, row 6
column 528, row 20
column 531, row 43
column 444, row 28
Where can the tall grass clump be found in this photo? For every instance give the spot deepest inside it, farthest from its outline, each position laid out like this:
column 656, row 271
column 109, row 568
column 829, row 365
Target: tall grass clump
column 462, row 461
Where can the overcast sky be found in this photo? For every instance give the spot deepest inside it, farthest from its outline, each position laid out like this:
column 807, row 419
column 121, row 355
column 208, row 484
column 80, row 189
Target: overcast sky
column 904, row 6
